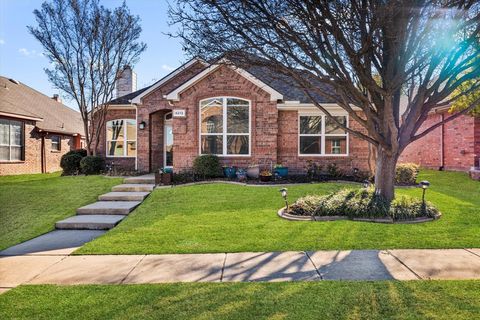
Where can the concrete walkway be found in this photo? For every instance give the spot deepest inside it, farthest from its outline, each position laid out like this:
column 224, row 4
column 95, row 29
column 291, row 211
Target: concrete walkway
column 411, row 264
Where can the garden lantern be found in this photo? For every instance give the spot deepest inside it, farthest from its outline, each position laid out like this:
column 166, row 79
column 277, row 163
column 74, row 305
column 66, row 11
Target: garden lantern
column 424, row 184
column 283, row 191
column 366, row 184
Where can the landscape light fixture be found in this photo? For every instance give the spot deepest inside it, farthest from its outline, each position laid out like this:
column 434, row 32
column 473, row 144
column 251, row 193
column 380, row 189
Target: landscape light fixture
column 284, row 193
column 366, row 184
column 424, row 184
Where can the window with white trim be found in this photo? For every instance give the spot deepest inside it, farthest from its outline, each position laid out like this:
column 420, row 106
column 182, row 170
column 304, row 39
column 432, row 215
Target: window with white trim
column 56, row 143
column 319, row 135
column 225, row 126
column 11, row 140
column 121, row 138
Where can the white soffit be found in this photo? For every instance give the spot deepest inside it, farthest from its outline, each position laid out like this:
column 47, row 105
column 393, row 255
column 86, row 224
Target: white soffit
column 138, row 98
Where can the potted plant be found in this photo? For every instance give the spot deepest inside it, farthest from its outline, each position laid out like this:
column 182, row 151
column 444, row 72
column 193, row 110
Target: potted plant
column 265, row 175
column 281, row 171
column 241, row 175
column 253, row 171
column 229, row 172
column 164, row 176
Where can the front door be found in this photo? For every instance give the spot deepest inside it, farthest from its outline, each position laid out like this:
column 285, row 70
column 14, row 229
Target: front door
column 168, row 141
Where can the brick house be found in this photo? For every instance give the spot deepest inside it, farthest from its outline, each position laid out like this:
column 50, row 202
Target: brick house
column 35, row 130
column 249, row 118
column 452, row 146
column 243, row 116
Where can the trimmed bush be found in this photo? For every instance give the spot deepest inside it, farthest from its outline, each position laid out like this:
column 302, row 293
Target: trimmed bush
column 92, row 165
column 362, row 203
column 81, row 152
column 70, row 163
column 406, row 173
column 207, row 166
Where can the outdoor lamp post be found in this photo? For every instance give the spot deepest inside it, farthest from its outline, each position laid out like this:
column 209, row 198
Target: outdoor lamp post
column 283, row 191
column 424, row 184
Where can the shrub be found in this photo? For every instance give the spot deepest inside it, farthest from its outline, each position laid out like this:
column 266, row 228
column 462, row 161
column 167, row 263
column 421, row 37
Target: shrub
column 207, row 166
column 70, row 163
column 92, row 165
column 81, row 152
column 362, row 203
column 406, row 173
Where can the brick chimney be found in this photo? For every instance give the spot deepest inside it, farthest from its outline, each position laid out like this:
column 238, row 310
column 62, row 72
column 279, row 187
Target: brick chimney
column 57, row 98
column 127, row 83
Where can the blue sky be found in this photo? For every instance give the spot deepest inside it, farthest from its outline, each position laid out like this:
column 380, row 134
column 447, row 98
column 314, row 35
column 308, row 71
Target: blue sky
column 21, row 55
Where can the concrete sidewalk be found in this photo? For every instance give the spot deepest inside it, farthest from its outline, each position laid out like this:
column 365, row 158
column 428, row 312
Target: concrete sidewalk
column 411, row 264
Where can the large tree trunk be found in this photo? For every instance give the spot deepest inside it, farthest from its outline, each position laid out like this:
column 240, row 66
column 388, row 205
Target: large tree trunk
column 385, row 173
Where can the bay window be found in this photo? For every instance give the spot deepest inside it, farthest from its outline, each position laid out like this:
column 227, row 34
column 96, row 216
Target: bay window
column 121, row 138
column 11, row 140
column 225, row 126
column 319, row 135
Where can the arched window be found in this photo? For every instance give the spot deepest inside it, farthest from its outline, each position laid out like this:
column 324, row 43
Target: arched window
column 225, row 126
column 121, row 138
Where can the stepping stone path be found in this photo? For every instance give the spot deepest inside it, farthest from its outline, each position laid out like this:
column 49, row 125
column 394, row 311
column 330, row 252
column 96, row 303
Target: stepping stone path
column 112, row 207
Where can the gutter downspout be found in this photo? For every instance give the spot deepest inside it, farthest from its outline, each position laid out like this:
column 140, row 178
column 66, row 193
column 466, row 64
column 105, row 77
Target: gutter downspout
column 42, row 155
column 136, row 122
column 442, row 143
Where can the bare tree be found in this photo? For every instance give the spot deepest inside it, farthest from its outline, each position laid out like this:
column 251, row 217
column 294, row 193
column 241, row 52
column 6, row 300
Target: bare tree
column 87, row 46
column 361, row 53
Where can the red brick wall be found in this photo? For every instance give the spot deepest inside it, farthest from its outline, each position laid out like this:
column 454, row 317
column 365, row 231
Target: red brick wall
column 288, row 148
column 151, row 111
column 460, row 149
column 33, row 152
column 226, row 82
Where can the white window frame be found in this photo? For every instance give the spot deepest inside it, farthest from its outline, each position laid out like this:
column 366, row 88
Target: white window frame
column 10, row 145
column 224, row 133
column 125, row 140
column 322, row 135
column 59, row 143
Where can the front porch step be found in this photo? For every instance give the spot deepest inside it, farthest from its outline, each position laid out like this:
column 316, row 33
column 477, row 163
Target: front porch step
column 128, row 187
column 108, row 207
column 123, row 196
column 90, row 222
column 146, row 179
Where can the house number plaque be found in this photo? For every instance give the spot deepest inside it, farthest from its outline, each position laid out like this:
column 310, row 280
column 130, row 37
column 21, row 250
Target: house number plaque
column 179, row 113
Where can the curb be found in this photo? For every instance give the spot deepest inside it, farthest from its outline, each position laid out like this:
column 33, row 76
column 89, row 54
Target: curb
column 284, row 215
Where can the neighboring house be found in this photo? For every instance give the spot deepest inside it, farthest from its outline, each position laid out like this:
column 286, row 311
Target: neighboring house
column 244, row 116
column 35, row 130
column 452, row 146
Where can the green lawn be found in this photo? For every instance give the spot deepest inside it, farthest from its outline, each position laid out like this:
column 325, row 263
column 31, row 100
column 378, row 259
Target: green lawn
column 230, row 218
column 300, row 300
column 31, row 204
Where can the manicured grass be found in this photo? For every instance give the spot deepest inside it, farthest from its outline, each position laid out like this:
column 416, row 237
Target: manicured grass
column 300, row 300
column 230, row 218
column 31, row 204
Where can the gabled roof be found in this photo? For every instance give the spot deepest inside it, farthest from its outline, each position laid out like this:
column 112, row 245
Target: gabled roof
column 138, row 97
column 21, row 101
column 280, row 87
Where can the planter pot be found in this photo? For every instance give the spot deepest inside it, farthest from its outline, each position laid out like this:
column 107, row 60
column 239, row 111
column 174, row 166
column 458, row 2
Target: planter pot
column 167, row 178
column 253, row 172
column 241, row 175
column 230, row 172
column 282, row 172
column 265, row 178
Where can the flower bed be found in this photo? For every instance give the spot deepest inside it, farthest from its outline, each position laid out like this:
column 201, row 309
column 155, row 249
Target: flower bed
column 360, row 204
